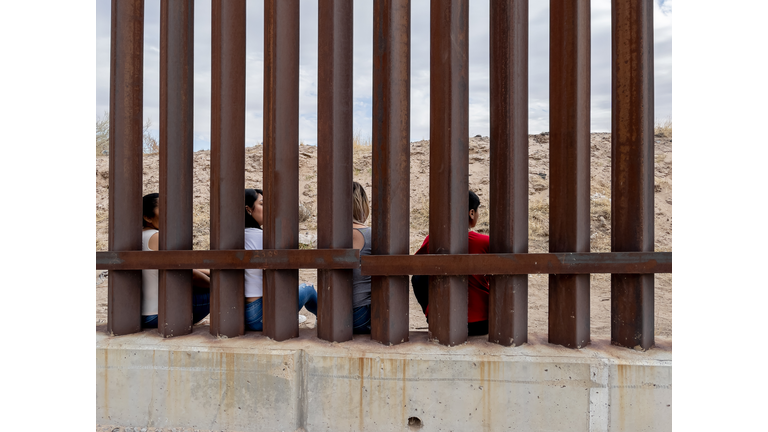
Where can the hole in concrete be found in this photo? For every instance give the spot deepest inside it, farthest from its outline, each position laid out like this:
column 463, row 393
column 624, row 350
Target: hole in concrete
column 414, row 423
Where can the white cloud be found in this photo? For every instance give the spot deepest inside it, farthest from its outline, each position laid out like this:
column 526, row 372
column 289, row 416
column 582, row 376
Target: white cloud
column 665, row 6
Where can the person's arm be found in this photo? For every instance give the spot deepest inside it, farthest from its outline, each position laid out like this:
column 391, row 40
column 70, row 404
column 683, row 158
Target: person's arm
column 154, row 241
column 358, row 241
column 200, row 279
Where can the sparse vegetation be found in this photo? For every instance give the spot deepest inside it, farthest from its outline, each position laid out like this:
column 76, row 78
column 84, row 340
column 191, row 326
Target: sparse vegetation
column 360, row 144
column 305, row 212
column 149, row 143
column 663, row 128
column 102, row 134
column 538, row 218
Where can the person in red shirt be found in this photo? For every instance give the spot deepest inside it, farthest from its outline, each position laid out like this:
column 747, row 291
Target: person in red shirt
column 477, row 285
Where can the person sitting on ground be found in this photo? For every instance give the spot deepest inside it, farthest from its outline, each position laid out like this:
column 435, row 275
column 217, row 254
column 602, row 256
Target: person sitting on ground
column 201, row 281
column 361, row 240
column 477, row 286
column 254, row 278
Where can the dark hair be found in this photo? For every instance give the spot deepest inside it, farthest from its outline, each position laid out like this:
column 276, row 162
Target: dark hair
column 474, row 201
column 148, row 206
column 251, row 195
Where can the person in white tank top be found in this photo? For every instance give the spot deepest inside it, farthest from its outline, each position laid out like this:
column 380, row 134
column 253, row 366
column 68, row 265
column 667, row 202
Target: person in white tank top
column 201, row 281
column 254, row 281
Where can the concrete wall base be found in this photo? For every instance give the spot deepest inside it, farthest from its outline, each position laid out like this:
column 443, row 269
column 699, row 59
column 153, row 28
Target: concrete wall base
column 252, row 383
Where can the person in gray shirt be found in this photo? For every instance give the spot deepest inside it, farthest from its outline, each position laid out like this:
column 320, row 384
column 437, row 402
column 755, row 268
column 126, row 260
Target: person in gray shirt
column 361, row 240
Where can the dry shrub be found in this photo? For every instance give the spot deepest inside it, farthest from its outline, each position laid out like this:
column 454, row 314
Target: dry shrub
column 101, row 215
column 600, row 202
column 305, row 212
column 538, row 218
column 360, row 144
column 663, row 128
column 600, row 241
column 102, row 134
column 149, row 144
column 661, row 184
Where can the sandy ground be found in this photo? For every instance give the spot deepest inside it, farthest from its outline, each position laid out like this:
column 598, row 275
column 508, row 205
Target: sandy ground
column 478, row 181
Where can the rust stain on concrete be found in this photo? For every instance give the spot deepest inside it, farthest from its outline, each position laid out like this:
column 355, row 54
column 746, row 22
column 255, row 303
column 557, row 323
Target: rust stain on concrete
column 623, row 376
column 106, row 383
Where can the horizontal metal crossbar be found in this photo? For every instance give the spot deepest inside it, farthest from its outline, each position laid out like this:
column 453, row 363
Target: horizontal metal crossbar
column 518, row 263
column 271, row 259
column 389, row 265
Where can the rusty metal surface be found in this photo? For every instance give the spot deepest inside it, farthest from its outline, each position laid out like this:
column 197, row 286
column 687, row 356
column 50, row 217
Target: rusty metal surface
column 569, row 88
column 518, row 264
column 227, row 161
column 230, row 259
column 449, row 163
column 632, row 180
column 281, row 162
column 508, row 299
column 125, row 160
column 334, row 164
column 176, row 121
column 391, row 164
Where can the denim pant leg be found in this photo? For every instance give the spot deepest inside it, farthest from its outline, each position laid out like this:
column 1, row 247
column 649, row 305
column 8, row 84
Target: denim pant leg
column 201, row 305
column 308, row 298
column 253, row 315
column 361, row 320
column 149, row 321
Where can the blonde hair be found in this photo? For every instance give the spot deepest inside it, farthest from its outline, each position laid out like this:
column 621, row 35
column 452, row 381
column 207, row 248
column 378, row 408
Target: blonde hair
column 360, row 209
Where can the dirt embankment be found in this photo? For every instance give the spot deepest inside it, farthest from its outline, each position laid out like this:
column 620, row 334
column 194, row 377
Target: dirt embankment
column 538, row 227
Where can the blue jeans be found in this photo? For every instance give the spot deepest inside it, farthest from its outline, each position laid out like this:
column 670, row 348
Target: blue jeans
column 361, row 320
column 254, row 312
column 201, row 307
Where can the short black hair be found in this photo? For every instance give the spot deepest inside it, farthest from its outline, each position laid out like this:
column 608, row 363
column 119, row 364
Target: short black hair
column 148, row 204
column 251, row 195
column 474, row 201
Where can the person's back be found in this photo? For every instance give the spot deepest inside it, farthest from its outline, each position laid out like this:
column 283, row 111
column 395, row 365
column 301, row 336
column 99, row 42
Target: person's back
column 361, row 240
column 361, row 285
column 478, row 286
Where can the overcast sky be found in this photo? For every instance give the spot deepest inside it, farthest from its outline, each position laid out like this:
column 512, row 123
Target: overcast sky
column 479, row 102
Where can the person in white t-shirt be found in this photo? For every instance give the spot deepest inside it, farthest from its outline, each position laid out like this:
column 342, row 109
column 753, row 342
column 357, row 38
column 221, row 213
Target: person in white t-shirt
column 254, row 240
column 201, row 281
